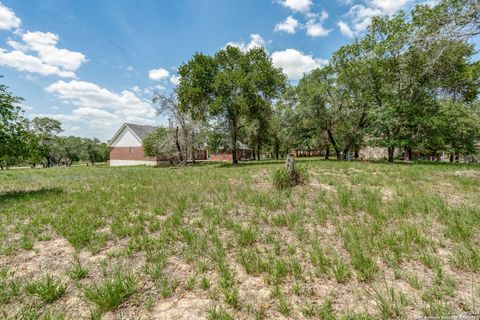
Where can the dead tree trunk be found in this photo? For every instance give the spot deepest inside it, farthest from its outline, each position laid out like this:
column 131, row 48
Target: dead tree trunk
column 179, row 149
column 290, row 167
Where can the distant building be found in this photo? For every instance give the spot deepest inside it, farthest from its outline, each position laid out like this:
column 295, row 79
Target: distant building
column 126, row 146
column 244, row 152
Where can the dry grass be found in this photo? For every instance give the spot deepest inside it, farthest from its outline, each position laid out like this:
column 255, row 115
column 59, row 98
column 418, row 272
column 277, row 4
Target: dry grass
column 216, row 242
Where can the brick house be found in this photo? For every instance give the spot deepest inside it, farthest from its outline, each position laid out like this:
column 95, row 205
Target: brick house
column 225, row 154
column 126, row 146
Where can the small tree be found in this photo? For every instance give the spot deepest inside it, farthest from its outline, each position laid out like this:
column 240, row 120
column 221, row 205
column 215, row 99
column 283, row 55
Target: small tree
column 162, row 143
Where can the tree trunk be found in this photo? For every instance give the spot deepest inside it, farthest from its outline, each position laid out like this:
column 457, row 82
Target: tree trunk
column 290, row 167
column 407, row 154
column 451, row 157
column 258, row 152
column 334, row 144
column 193, row 146
column 327, row 153
column 234, row 145
column 391, row 151
column 177, row 143
column 356, row 153
column 345, row 153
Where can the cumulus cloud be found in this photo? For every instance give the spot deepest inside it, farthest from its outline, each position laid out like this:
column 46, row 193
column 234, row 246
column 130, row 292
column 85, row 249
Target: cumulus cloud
column 45, row 44
column 23, row 62
column 290, row 25
column 315, row 26
column 100, row 109
column 297, row 5
column 38, row 53
column 359, row 17
column 345, row 29
column 8, row 19
column 175, row 80
column 158, row 74
column 295, row 63
column 256, row 41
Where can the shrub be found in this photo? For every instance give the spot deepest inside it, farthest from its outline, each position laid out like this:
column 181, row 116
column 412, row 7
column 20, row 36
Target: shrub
column 283, row 180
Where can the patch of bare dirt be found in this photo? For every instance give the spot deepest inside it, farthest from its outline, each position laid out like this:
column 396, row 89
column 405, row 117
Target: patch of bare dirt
column 52, row 255
column 467, row 173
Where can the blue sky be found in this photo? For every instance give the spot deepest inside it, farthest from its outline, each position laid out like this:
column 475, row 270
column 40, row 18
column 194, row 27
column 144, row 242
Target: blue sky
column 93, row 64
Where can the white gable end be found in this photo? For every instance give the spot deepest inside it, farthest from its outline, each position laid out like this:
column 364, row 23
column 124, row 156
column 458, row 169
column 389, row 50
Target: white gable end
column 126, row 139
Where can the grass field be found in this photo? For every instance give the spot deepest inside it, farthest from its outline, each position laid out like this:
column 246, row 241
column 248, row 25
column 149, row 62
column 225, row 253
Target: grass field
column 358, row 241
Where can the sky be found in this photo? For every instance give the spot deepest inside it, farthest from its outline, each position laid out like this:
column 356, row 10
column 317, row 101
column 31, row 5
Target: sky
column 93, row 64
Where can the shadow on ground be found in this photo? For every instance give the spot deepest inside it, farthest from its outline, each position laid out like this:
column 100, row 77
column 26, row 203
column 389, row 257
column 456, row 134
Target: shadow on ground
column 25, row 194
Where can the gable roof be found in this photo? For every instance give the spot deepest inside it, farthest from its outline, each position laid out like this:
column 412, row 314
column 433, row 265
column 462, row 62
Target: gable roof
column 140, row 131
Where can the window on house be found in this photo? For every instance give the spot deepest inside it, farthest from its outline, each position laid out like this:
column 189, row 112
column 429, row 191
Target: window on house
column 130, row 150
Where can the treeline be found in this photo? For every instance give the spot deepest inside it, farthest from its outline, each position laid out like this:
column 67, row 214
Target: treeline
column 408, row 83
column 37, row 142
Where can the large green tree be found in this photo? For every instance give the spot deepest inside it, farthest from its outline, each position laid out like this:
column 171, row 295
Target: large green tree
column 46, row 129
column 233, row 86
column 13, row 128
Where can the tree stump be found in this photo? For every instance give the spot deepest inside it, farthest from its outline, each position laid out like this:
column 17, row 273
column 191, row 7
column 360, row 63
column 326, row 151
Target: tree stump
column 290, row 168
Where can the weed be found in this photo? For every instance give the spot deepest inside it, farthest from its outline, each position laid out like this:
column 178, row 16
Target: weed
column 47, row 289
column 389, row 301
column 77, row 271
column 215, row 313
column 112, row 291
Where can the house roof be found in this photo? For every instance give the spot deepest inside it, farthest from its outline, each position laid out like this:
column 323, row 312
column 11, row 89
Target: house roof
column 140, row 131
column 240, row 146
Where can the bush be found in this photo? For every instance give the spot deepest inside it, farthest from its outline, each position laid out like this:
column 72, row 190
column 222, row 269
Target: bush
column 282, row 179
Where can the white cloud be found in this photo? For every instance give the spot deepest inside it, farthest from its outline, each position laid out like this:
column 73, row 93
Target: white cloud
column 295, row 63
column 315, row 26
column 256, row 41
column 47, row 60
column 158, row 74
column 98, row 110
column 345, row 29
column 95, row 113
column 175, row 80
column 45, row 44
column 8, row 19
column 23, row 62
column 290, row 25
column 389, row 6
column 297, row 5
column 360, row 16
column 87, row 94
